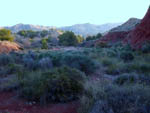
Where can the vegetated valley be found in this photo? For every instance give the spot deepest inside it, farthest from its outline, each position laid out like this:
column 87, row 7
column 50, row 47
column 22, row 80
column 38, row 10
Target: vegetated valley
column 55, row 71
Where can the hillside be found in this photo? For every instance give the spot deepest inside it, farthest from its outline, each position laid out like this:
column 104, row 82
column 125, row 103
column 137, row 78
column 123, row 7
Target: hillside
column 141, row 34
column 120, row 33
column 79, row 29
column 127, row 26
column 89, row 29
column 20, row 27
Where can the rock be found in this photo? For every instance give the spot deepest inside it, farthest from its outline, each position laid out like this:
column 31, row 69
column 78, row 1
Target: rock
column 121, row 32
column 101, row 107
column 141, row 33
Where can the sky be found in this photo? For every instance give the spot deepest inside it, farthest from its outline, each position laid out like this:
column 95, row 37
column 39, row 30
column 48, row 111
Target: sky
column 68, row 12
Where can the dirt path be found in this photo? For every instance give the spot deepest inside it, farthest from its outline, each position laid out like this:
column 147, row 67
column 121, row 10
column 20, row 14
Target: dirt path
column 9, row 103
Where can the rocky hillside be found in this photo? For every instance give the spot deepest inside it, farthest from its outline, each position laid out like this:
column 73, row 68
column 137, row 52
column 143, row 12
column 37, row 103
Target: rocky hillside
column 127, row 26
column 89, row 29
column 20, row 27
column 141, row 33
column 120, row 33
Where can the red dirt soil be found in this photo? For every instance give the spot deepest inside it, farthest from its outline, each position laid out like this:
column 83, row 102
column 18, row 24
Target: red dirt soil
column 6, row 46
column 141, row 33
column 9, row 103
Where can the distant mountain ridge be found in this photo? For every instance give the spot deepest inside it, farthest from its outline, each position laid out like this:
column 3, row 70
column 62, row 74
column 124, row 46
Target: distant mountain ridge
column 90, row 29
column 20, row 27
column 79, row 29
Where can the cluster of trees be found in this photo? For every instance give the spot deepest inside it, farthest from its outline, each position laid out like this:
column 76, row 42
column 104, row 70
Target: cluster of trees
column 70, row 39
column 98, row 36
column 6, row 35
column 32, row 34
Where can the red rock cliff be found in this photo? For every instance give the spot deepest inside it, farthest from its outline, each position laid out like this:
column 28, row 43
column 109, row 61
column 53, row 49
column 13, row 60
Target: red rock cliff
column 141, row 33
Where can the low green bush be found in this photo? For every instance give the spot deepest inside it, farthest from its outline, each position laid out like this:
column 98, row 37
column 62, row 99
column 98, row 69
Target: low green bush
column 56, row 85
column 126, row 79
column 126, row 56
column 79, row 61
column 112, row 70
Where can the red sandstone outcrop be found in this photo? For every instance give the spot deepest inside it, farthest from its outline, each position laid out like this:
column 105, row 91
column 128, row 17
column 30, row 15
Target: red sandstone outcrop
column 121, row 32
column 141, row 33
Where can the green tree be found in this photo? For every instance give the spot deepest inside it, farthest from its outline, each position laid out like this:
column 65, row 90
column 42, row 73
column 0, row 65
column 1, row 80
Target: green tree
column 44, row 33
column 68, row 39
column 80, row 39
column 22, row 33
column 44, row 43
column 90, row 38
column 98, row 36
column 6, row 35
column 28, row 33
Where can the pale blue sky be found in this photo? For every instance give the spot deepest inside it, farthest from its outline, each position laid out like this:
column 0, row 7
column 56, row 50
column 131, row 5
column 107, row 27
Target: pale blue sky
column 69, row 12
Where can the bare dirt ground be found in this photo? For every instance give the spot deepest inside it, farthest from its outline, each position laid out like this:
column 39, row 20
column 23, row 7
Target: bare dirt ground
column 10, row 103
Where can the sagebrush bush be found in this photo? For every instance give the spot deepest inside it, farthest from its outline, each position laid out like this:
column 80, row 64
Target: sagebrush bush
column 106, row 61
column 81, row 62
column 126, row 79
column 45, row 63
column 124, row 99
column 132, row 79
column 5, row 59
column 56, row 85
column 72, row 59
column 127, row 56
column 112, row 69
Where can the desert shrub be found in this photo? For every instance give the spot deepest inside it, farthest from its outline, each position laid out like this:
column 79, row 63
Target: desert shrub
column 126, row 56
column 6, row 35
column 30, row 63
column 112, row 70
column 126, row 79
column 106, row 61
column 101, row 45
column 45, row 63
column 72, row 59
column 57, row 85
column 124, row 99
column 146, row 47
column 111, row 53
column 140, row 67
column 132, row 79
column 5, row 59
column 144, row 68
column 133, row 99
column 79, row 61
